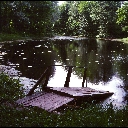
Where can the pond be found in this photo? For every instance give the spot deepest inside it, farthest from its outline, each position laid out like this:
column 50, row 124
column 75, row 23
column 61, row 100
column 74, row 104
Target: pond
column 106, row 62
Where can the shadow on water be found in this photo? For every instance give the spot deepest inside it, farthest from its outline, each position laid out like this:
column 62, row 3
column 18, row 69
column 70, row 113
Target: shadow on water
column 106, row 63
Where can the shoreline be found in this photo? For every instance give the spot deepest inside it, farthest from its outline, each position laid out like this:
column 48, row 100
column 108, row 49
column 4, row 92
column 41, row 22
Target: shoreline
column 13, row 38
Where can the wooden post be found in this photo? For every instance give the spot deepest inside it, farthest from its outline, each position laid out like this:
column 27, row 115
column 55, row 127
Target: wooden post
column 39, row 80
column 47, row 77
column 68, row 77
column 84, row 77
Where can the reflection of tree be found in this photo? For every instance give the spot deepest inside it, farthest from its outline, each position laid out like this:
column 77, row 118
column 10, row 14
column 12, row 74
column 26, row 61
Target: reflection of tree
column 66, row 50
column 120, row 62
column 33, row 57
column 61, row 46
column 104, row 66
column 109, row 52
column 101, row 58
column 124, row 73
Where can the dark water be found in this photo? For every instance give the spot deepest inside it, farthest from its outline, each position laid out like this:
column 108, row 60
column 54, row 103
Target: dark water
column 106, row 63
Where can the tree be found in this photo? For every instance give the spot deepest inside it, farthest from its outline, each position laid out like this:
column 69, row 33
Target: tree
column 87, row 26
column 104, row 13
column 73, row 19
column 60, row 25
column 27, row 17
column 122, row 17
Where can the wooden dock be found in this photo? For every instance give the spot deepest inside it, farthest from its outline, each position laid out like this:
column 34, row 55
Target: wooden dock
column 45, row 100
column 55, row 97
column 52, row 98
column 79, row 92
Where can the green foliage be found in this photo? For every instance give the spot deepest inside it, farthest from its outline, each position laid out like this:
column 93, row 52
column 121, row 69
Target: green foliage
column 88, row 115
column 104, row 13
column 93, row 116
column 86, row 24
column 27, row 17
column 45, row 18
column 73, row 19
column 9, row 37
column 89, row 18
column 122, row 16
column 9, row 88
column 60, row 26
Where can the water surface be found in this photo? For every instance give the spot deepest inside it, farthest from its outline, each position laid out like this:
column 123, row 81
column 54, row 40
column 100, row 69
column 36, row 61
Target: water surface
column 106, row 63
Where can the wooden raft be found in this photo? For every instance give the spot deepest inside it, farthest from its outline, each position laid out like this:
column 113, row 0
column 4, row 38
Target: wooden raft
column 79, row 92
column 55, row 97
column 46, row 100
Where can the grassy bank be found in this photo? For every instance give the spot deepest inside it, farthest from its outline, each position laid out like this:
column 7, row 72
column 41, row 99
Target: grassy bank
column 13, row 37
column 86, row 116
column 124, row 40
column 10, row 37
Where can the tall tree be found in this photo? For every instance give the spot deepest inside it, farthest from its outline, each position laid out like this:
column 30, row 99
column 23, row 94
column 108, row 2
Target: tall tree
column 60, row 25
column 87, row 25
column 122, row 17
column 104, row 13
column 73, row 19
column 32, row 17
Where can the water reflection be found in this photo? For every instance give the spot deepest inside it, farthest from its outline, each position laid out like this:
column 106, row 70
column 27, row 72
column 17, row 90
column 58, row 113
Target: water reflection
column 106, row 63
column 58, row 78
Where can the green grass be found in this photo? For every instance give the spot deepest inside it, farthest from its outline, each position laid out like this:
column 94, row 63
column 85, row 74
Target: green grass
column 88, row 115
column 11, row 37
column 124, row 40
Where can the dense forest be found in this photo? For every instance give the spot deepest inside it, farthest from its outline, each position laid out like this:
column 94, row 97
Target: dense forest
column 104, row 19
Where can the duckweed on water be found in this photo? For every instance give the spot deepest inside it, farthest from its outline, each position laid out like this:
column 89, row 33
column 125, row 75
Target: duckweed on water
column 87, row 115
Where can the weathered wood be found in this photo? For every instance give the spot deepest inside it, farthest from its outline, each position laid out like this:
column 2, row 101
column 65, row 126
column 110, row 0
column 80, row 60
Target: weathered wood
column 55, row 97
column 84, row 77
column 79, row 91
column 43, row 100
column 47, row 77
column 37, row 83
column 27, row 99
column 69, row 66
column 68, row 77
column 60, row 103
column 46, row 101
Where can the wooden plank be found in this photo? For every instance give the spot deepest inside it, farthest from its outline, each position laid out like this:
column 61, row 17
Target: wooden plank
column 45, row 98
column 101, row 94
column 28, row 98
column 55, row 103
column 65, row 101
column 77, row 92
column 47, row 101
column 68, row 77
column 84, row 77
column 58, row 96
column 71, row 91
column 39, row 80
